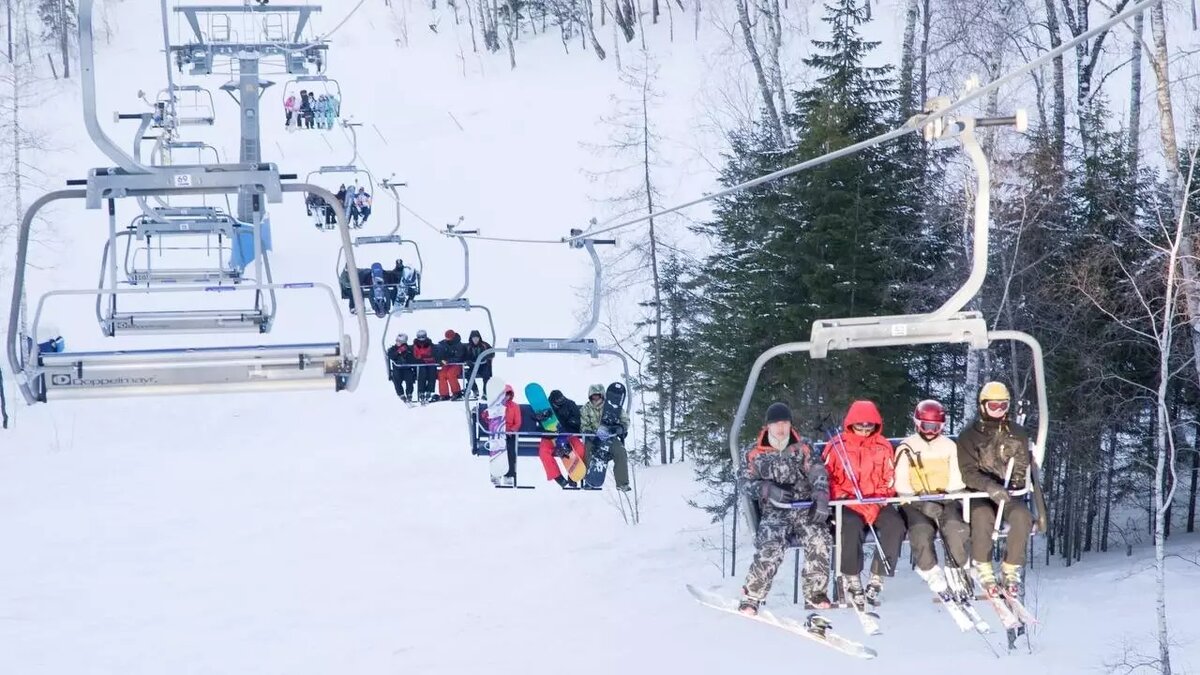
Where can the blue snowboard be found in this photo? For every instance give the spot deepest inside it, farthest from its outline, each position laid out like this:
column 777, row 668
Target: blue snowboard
column 610, row 428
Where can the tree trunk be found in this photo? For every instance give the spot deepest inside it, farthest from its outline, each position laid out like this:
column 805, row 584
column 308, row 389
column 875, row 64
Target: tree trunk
column 773, row 122
column 1191, row 519
column 471, row 26
column 1135, row 94
column 908, row 102
column 774, row 30
column 660, row 386
column 509, row 28
column 64, row 41
column 1058, row 118
column 591, row 29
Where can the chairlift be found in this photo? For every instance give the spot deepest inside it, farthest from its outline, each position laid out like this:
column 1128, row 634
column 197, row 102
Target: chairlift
column 577, row 344
column 327, row 85
column 949, row 324
column 401, row 290
column 184, row 369
column 193, row 104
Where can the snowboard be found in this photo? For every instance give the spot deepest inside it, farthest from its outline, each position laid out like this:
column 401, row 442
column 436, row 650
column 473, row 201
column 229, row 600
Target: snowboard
column 379, row 291
column 497, row 450
column 610, row 417
column 573, row 465
column 815, row 628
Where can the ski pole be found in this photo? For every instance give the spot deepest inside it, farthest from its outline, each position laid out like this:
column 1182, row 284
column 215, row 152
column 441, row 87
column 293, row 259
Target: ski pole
column 1000, row 508
column 840, row 450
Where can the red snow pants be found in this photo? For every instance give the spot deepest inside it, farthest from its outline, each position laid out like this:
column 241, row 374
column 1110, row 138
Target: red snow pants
column 448, row 380
column 546, row 454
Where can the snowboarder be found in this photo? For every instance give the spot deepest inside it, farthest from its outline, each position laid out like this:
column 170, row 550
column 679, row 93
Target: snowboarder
column 927, row 464
column 781, row 467
column 860, row 463
column 289, row 109
column 512, row 425
column 450, row 354
column 985, row 449
column 400, row 368
column 422, row 348
column 590, row 417
column 476, row 346
column 569, row 422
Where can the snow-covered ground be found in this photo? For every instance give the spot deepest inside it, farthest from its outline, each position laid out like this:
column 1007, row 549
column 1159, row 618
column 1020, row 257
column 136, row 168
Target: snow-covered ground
column 321, row 533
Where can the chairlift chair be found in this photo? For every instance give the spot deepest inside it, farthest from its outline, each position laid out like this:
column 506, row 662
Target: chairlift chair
column 335, row 364
column 328, row 85
column 946, row 325
column 193, row 104
column 204, row 232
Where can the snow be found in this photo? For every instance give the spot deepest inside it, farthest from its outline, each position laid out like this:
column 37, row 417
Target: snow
column 320, row 533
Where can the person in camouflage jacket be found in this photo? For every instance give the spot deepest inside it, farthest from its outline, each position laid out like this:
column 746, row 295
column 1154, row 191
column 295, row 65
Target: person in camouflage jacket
column 590, row 415
column 780, row 468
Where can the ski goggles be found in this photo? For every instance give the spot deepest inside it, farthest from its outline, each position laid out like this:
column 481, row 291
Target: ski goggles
column 929, row 427
column 863, row 426
column 996, row 406
column 595, row 397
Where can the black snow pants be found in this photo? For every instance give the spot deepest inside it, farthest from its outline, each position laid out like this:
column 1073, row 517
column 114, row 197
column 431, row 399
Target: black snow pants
column 889, row 525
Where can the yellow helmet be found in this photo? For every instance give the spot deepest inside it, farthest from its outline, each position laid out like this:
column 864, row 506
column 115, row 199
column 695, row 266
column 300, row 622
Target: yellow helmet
column 993, row 391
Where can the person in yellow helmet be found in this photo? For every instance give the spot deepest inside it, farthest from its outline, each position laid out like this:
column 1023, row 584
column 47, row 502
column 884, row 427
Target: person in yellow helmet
column 985, row 449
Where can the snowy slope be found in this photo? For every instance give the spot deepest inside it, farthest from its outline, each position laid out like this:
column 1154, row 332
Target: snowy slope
column 320, row 533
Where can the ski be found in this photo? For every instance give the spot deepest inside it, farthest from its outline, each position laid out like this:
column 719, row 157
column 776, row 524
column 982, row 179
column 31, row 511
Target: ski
column 815, row 627
column 964, row 613
column 1023, row 614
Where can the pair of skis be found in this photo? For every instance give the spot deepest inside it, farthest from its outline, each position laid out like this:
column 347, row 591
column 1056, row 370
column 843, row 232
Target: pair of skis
column 815, row 627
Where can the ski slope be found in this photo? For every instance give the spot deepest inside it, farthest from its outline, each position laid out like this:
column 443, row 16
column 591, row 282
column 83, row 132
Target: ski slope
column 317, row 533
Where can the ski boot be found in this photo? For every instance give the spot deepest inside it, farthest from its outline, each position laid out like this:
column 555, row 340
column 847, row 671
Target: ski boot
column 987, row 579
column 625, row 487
column 749, row 606
column 873, row 590
column 936, row 579
column 566, row 484
column 1011, row 575
column 853, row 590
column 818, row 600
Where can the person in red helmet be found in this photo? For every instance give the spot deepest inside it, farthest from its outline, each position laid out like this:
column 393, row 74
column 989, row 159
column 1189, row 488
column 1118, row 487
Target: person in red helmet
column 927, row 464
column 450, row 354
column 860, row 463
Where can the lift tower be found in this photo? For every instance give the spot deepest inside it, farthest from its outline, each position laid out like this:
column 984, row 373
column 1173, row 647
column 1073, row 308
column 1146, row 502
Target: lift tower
column 266, row 31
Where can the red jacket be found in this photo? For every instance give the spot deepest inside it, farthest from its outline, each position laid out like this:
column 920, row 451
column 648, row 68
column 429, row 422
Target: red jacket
column 423, row 350
column 869, row 456
column 512, row 411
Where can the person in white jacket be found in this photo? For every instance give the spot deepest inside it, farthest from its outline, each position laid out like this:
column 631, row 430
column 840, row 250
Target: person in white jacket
column 927, row 464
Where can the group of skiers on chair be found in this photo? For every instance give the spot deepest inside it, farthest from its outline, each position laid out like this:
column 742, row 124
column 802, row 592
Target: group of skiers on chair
column 414, row 368
column 382, row 288
column 311, row 110
column 574, row 422
column 357, row 205
column 859, row 462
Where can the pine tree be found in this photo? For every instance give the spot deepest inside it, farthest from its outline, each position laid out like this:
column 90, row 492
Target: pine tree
column 831, row 242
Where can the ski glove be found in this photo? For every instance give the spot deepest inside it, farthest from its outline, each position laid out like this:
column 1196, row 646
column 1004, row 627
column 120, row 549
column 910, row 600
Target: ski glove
column 770, row 492
column 998, row 494
column 819, row 512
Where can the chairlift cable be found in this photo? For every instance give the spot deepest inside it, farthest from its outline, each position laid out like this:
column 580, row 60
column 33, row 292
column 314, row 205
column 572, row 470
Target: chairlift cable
column 911, row 125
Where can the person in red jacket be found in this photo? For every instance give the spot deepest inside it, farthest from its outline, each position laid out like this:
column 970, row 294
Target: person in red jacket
column 860, row 460
column 512, row 424
column 422, row 350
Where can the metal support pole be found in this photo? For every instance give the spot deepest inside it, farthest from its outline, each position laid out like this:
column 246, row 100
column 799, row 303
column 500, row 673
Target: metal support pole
column 250, row 92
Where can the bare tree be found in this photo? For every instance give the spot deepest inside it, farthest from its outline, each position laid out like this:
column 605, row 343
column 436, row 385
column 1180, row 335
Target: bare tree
column 774, row 122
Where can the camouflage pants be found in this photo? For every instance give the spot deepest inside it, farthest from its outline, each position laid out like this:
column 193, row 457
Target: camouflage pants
column 777, row 530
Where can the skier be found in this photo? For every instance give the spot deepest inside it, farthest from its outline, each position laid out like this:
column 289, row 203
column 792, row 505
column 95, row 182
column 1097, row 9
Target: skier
column 306, row 104
column 289, row 109
column 512, row 425
column 860, row 461
column 422, row 348
column 569, row 422
column 450, row 354
column 985, row 449
column 400, row 368
column 783, row 468
column 926, row 464
column 476, row 346
column 590, row 417
column 335, row 109
column 362, row 203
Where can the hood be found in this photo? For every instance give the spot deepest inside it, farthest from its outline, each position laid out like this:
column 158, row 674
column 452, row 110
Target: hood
column 863, row 411
column 509, row 390
column 474, row 334
column 556, row 396
column 595, row 389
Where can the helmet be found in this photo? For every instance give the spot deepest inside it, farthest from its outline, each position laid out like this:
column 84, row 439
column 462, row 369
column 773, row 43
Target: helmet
column 421, row 335
column 993, row 399
column 403, row 337
column 929, row 417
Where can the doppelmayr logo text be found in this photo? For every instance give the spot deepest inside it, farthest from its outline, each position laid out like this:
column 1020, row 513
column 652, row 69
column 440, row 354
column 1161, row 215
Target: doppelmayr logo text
column 72, row 381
